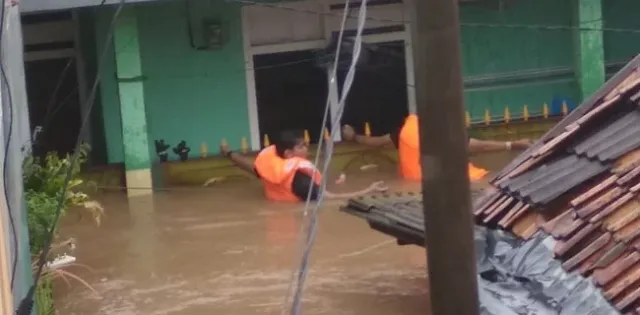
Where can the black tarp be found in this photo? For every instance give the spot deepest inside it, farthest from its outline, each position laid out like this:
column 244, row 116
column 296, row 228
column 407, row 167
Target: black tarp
column 518, row 277
column 515, row 277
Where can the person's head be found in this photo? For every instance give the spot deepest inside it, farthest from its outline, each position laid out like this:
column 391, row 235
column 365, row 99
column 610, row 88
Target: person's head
column 291, row 144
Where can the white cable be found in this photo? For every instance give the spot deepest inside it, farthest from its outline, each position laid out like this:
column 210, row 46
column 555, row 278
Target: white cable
column 303, row 241
column 357, row 48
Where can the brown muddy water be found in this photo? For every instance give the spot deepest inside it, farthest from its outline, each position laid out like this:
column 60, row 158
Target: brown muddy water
column 225, row 250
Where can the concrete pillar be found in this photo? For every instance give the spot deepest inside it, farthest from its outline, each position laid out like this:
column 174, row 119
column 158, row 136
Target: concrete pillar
column 408, row 58
column 135, row 138
column 590, row 63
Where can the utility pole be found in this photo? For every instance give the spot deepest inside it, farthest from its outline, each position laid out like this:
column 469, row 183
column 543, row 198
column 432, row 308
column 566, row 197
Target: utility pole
column 443, row 149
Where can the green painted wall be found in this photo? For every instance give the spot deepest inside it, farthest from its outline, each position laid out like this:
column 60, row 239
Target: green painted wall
column 516, row 66
column 621, row 46
column 109, row 99
column 192, row 95
column 88, row 49
column 199, row 96
column 132, row 102
column 590, row 62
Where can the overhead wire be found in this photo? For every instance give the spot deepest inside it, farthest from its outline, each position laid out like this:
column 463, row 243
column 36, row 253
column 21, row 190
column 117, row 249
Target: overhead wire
column 5, row 82
column 26, row 305
column 316, row 12
column 463, row 24
column 285, row 64
column 365, row 18
column 313, row 215
column 301, row 61
column 385, row 20
column 60, row 81
column 53, row 108
column 302, row 242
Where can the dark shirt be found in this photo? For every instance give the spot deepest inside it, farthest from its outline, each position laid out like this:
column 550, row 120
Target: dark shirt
column 300, row 186
column 395, row 136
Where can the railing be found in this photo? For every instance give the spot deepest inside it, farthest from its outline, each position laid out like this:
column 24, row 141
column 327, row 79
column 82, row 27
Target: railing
column 486, row 120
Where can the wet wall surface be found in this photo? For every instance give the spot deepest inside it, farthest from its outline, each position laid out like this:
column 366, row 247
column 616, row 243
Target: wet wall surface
column 225, row 250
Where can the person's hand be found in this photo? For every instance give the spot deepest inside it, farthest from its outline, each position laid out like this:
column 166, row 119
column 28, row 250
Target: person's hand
column 379, row 187
column 348, row 133
column 224, row 148
column 522, row 144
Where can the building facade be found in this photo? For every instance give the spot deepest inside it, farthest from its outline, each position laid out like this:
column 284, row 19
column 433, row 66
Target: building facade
column 193, row 70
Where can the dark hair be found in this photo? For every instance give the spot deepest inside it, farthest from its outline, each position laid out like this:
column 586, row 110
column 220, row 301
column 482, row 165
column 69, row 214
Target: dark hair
column 287, row 140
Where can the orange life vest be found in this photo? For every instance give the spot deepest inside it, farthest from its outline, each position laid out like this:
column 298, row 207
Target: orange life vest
column 277, row 174
column 409, row 153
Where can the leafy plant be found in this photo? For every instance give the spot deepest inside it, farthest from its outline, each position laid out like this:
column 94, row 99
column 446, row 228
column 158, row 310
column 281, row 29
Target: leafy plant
column 44, row 182
column 44, row 297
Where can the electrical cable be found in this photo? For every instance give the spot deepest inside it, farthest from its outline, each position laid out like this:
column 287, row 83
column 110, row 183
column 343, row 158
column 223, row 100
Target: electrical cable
column 302, row 241
column 463, row 24
column 26, row 305
column 478, row 25
column 51, row 103
column 48, row 120
column 61, row 77
column 14, row 232
column 334, row 126
column 346, row 87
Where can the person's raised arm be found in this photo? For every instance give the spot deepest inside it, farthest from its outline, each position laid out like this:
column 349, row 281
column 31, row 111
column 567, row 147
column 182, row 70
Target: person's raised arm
column 240, row 160
column 476, row 145
column 349, row 134
column 302, row 183
column 375, row 187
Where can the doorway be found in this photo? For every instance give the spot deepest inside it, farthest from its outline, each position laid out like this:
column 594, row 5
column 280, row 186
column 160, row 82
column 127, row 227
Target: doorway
column 291, row 92
column 54, row 105
column 378, row 95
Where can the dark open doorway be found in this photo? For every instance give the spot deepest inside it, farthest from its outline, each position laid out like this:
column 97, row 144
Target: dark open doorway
column 52, row 86
column 379, row 92
column 291, row 90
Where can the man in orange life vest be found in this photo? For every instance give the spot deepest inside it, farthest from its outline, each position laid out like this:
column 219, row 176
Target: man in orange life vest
column 407, row 141
column 286, row 172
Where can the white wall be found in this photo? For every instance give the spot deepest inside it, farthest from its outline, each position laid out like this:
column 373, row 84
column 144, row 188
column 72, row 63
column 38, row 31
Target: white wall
column 308, row 24
column 274, row 26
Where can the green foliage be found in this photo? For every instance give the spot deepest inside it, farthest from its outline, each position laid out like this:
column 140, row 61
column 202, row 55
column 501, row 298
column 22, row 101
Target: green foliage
column 43, row 184
column 44, row 297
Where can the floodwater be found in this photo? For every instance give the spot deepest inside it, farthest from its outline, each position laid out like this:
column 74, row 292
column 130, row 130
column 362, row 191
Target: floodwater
column 224, row 250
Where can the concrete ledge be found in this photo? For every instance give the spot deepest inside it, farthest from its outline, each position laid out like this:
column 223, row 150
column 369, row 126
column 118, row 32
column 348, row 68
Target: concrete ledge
column 347, row 157
column 139, row 181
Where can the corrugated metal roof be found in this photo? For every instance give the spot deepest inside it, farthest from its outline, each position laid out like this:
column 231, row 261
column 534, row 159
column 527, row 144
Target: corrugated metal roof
column 619, row 137
column 545, row 183
column 628, row 71
column 515, row 277
column 580, row 162
column 598, row 231
column 595, row 155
